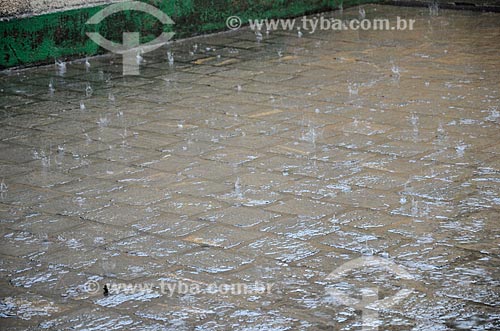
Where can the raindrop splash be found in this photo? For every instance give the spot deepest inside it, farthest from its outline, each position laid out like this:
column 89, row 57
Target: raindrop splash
column 51, row 87
column 61, row 67
column 237, row 188
column 353, row 89
column 3, row 187
column 103, row 122
column 170, row 58
column 258, row 36
column 434, row 9
column 138, row 58
column 461, row 149
column 362, row 13
column 88, row 90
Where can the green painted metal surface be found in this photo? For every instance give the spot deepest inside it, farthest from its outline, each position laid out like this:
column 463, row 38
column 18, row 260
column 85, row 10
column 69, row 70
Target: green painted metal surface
column 45, row 38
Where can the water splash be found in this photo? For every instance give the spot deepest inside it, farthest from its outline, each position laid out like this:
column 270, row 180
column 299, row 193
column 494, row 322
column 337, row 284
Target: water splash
column 414, row 122
column 88, row 90
column 43, row 157
column 87, row 65
column 441, row 133
column 461, row 149
column 353, row 89
column 280, row 53
column 414, row 208
column 310, row 134
column 434, row 8
column 138, row 58
column 51, row 87
column 396, row 71
column 299, row 33
column 82, row 106
column 237, row 188
column 61, row 67
column 494, row 114
column 361, row 12
column 258, row 36
column 103, row 122
column 3, row 187
column 170, row 58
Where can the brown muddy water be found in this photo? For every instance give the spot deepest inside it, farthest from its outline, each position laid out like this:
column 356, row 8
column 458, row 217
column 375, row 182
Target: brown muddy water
column 281, row 181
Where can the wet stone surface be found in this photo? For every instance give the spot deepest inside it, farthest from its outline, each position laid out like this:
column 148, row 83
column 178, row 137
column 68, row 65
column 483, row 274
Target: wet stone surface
column 246, row 185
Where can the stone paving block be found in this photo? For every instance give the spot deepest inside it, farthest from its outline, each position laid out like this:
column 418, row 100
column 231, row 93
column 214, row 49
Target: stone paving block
column 401, row 149
column 362, row 242
column 19, row 194
column 375, row 180
column 102, row 170
column 38, row 224
column 421, row 208
column 232, row 155
column 239, row 216
column 146, row 141
column 8, row 170
column 211, row 170
column 138, row 195
column 221, row 236
column 198, row 187
column 92, row 235
column 31, row 308
column 91, row 318
column 189, row 205
column 250, row 142
column 280, row 248
column 168, row 225
column 367, row 219
column 43, row 179
column 17, row 154
column 190, row 148
column 70, row 205
column 300, row 227
column 355, row 141
column 121, row 215
column 211, row 260
column 150, row 246
column 90, row 187
column 148, row 177
column 305, row 207
column 126, row 154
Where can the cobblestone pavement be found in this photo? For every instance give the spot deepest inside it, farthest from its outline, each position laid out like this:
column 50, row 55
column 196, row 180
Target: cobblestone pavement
column 232, row 186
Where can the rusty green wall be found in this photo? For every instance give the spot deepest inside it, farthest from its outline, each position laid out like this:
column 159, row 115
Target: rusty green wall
column 44, row 38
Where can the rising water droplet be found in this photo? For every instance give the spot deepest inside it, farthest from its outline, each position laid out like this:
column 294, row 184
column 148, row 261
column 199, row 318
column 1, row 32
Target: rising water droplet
column 170, row 58
column 362, row 13
column 88, row 90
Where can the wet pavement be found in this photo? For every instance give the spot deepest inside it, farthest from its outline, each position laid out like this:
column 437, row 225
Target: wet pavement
column 266, row 164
